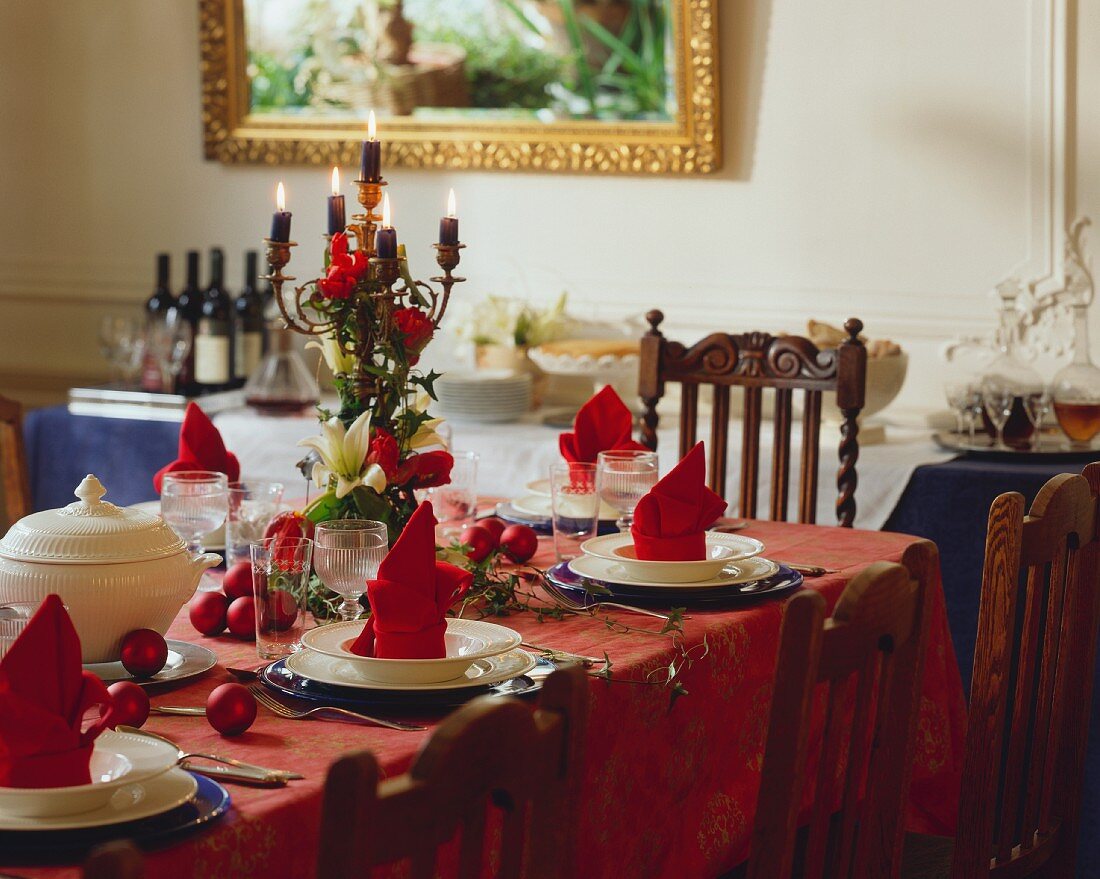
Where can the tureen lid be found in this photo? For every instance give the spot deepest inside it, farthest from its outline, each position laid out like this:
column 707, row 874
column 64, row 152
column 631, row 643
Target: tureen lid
column 90, row 531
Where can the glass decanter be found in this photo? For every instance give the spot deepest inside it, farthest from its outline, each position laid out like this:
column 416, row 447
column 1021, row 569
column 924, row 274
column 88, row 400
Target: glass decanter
column 1009, row 373
column 282, row 384
column 1076, row 387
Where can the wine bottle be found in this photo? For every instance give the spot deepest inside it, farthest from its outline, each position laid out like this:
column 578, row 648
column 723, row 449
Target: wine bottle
column 248, row 338
column 157, row 307
column 189, row 307
column 214, row 338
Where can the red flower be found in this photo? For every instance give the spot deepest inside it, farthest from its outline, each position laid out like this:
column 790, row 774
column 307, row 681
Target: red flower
column 431, row 469
column 337, row 283
column 384, row 452
column 345, row 269
column 415, row 327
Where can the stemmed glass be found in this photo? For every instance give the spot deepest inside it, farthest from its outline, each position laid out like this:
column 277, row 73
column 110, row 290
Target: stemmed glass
column 624, row 477
column 999, row 399
column 1037, row 404
column 346, row 554
column 194, row 503
column 122, row 344
column 958, row 398
column 170, row 341
column 456, row 502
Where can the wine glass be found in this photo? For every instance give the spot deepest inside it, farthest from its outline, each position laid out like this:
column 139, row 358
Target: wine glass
column 998, row 399
column 958, row 398
column 624, row 477
column 456, row 502
column 120, row 343
column 346, row 554
column 1037, row 404
column 194, row 503
column 170, row 342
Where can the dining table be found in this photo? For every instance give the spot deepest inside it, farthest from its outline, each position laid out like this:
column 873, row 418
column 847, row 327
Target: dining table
column 669, row 779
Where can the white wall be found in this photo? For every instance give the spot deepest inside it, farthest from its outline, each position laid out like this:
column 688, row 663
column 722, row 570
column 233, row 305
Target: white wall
column 876, row 164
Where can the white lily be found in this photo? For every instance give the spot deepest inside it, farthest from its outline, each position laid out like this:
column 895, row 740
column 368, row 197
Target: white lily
column 343, row 456
column 426, row 434
column 336, row 356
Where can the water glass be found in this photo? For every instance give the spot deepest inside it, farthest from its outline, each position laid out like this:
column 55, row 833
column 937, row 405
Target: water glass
column 623, row 478
column 194, row 503
column 252, row 505
column 575, row 505
column 456, row 502
column 998, row 398
column 14, row 616
column 346, row 555
column 958, row 398
column 280, row 587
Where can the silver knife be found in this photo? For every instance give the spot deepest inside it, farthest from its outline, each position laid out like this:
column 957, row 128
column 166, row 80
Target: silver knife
column 230, row 773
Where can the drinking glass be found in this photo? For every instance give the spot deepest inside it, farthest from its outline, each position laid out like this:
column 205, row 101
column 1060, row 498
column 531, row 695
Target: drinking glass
column 998, row 398
column 252, row 505
column 575, row 506
column 623, row 478
column 456, row 502
column 169, row 341
column 194, row 503
column 1037, row 404
column 14, row 616
column 958, row 398
column 346, row 555
column 280, row 587
column 122, row 344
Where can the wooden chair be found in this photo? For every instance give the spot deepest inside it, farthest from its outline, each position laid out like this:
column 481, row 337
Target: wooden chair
column 871, row 647
column 492, row 750
column 1031, row 692
column 756, row 361
column 15, row 487
column 115, row 860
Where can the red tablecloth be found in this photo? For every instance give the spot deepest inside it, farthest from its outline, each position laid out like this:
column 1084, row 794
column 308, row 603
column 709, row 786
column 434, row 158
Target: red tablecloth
column 668, row 793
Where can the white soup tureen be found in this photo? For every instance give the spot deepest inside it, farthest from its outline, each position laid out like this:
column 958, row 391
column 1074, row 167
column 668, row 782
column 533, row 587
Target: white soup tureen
column 116, row 569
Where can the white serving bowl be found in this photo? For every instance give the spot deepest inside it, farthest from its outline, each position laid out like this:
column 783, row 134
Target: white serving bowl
column 109, row 771
column 721, row 549
column 467, row 641
column 115, row 569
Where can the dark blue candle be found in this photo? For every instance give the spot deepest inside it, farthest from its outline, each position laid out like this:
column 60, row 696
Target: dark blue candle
column 280, row 220
column 337, row 219
column 448, row 225
column 385, row 239
column 370, row 160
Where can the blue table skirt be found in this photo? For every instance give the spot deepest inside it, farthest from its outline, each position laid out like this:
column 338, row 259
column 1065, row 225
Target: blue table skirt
column 949, row 504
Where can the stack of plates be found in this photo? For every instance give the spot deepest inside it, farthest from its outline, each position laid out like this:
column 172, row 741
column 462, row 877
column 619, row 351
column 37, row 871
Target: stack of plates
column 137, row 792
column 480, row 656
column 732, row 573
column 487, row 396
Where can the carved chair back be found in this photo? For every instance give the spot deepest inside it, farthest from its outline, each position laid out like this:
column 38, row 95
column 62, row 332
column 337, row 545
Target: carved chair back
column 865, row 661
column 491, row 752
column 15, row 488
column 754, row 362
column 1032, row 686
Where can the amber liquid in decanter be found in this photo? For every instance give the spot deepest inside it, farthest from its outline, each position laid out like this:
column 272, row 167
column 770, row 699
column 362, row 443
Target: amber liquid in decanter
column 1080, row 421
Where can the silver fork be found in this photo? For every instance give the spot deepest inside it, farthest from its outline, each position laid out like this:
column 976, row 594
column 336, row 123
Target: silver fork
column 570, row 603
column 276, row 707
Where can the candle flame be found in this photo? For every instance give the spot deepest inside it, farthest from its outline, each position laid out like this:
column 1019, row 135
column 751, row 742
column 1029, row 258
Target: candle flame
column 335, row 181
column 372, row 127
column 451, row 204
column 280, row 197
column 386, row 215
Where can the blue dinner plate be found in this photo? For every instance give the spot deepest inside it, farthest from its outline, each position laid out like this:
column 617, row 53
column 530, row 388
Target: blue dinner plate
column 780, row 583
column 542, row 524
column 281, row 679
column 210, row 802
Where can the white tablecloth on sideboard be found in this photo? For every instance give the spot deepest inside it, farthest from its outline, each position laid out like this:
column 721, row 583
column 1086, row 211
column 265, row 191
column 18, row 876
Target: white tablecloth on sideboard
column 511, row 455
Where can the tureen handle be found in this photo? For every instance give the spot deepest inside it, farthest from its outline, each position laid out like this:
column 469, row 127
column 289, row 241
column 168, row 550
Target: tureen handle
column 90, row 491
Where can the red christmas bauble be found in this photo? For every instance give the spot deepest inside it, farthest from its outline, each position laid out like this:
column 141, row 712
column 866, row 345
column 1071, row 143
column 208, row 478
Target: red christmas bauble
column 481, row 542
column 130, row 704
column 143, row 653
column 241, row 618
column 495, row 527
column 282, row 609
column 231, row 709
column 238, row 581
column 207, row 612
column 519, row 542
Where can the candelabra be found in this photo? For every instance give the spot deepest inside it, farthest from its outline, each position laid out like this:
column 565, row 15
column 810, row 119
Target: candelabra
column 374, row 299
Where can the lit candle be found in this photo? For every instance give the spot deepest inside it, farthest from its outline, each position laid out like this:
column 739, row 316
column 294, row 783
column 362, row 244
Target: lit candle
column 280, row 220
column 370, row 162
column 336, row 216
column 448, row 225
column 385, row 239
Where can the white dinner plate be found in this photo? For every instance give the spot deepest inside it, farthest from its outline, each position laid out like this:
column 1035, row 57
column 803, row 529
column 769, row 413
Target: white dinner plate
column 542, row 507
column 212, row 542
column 744, row 571
column 483, row 673
column 129, row 803
column 466, row 640
column 539, row 486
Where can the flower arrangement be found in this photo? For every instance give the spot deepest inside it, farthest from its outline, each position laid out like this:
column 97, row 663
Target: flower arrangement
column 503, row 320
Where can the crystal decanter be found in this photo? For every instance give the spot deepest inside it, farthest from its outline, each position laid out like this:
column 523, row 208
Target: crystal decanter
column 1076, row 387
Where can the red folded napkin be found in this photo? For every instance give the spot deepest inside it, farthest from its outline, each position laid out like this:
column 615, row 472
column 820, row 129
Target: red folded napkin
column 51, row 709
column 200, row 448
column 602, row 424
column 670, row 521
column 410, row 596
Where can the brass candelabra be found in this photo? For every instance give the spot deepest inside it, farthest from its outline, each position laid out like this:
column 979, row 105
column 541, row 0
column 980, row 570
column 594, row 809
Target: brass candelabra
column 377, row 295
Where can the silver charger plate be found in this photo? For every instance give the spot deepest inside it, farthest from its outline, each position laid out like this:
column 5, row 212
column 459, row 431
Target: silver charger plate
column 185, row 660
